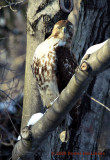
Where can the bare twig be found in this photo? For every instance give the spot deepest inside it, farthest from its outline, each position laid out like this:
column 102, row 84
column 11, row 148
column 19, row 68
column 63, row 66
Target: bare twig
column 12, row 70
column 12, row 4
column 10, row 98
column 7, row 144
column 6, row 82
column 4, row 38
column 12, row 122
column 98, row 102
column 10, row 136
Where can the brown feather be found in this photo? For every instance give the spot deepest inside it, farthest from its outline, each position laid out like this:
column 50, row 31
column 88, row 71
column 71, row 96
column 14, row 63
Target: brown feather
column 66, row 65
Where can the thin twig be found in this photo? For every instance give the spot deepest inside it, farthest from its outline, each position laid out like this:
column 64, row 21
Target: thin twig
column 12, row 123
column 5, row 82
column 98, row 102
column 10, row 136
column 12, row 70
column 12, row 4
column 11, row 98
column 4, row 38
column 6, row 144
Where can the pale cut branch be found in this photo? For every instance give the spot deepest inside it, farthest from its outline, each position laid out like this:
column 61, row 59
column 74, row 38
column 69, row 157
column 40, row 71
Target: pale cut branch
column 96, row 63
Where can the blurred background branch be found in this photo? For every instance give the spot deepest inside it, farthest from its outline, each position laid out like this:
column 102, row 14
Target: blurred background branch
column 12, row 66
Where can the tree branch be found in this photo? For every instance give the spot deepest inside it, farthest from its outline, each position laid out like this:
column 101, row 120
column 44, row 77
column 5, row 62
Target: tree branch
column 96, row 63
column 10, row 4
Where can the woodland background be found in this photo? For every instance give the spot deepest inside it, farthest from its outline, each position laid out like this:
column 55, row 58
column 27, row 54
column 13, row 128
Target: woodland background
column 12, row 68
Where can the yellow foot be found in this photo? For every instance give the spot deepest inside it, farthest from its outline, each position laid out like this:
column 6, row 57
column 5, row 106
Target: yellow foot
column 48, row 106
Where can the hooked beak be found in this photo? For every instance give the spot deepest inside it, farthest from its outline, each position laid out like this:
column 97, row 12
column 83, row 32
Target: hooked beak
column 64, row 29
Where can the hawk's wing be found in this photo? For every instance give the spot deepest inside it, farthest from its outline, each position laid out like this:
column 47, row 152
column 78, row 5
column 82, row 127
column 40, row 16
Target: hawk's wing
column 66, row 65
column 44, row 69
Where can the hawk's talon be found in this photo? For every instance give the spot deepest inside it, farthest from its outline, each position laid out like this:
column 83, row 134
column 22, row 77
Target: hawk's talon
column 48, row 106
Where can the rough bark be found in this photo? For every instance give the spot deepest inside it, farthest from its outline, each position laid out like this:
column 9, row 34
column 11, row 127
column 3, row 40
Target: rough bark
column 93, row 27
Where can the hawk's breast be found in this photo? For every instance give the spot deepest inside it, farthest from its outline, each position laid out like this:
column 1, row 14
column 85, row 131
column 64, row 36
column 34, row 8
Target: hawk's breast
column 44, row 63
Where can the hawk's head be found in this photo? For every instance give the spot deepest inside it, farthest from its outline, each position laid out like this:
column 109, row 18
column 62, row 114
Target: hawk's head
column 63, row 29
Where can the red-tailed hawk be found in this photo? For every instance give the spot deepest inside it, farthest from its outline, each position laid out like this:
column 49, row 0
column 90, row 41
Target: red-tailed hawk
column 53, row 64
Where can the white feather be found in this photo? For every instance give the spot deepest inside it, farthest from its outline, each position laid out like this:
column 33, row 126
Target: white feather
column 47, row 46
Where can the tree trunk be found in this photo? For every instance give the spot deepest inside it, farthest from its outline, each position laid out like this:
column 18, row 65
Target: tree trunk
column 93, row 133
column 92, row 130
column 41, row 17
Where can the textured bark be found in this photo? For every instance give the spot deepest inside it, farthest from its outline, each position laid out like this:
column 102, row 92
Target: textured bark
column 93, row 27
